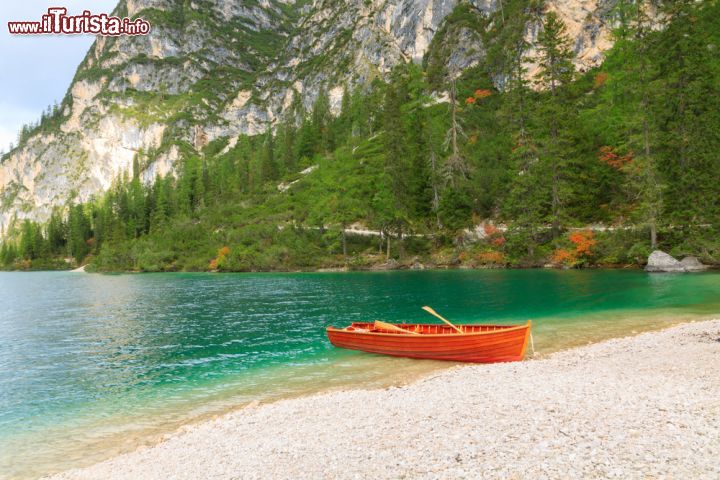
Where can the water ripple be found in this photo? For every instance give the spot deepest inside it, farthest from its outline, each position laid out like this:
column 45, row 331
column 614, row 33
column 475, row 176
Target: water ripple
column 89, row 358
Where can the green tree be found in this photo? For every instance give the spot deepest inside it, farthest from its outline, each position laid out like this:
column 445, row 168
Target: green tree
column 30, row 239
column 79, row 232
column 286, row 138
column 268, row 166
column 160, row 192
column 57, row 233
column 687, row 108
column 343, row 124
column 634, row 81
column 526, row 199
column 8, row 253
column 455, row 168
column 555, row 110
column 321, row 121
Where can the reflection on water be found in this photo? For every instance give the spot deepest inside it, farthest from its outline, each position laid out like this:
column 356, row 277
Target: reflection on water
column 92, row 365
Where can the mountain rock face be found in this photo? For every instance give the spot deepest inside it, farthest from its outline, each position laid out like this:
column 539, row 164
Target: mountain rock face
column 218, row 69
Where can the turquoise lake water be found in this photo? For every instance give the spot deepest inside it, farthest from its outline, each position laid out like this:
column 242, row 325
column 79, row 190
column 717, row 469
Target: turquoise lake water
column 94, row 365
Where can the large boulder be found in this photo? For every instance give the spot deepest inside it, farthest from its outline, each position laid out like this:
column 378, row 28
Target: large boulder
column 692, row 264
column 659, row 261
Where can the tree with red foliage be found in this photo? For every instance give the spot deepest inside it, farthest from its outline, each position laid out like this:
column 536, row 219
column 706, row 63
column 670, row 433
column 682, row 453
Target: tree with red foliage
column 218, row 262
column 493, row 235
column 609, row 156
column 584, row 241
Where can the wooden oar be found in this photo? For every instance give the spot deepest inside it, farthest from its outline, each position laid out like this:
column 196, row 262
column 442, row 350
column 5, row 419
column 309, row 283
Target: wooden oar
column 433, row 312
column 393, row 328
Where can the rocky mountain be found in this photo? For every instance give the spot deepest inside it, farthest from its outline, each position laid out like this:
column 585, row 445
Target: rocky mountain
column 218, row 69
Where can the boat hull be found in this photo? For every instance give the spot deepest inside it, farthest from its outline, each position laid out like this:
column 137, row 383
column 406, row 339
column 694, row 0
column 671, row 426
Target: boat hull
column 477, row 343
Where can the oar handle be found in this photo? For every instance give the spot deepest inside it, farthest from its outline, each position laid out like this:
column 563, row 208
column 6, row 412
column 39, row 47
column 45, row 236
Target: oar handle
column 433, row 312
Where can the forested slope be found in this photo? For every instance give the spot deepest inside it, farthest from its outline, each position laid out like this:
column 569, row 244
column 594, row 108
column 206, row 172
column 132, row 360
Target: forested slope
column 488, row 166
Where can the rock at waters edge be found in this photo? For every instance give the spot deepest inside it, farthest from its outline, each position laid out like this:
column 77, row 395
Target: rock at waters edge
column 692, row 264
column 659, row 261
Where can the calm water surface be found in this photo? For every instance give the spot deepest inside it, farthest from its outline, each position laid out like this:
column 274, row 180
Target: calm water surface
column 93, row 365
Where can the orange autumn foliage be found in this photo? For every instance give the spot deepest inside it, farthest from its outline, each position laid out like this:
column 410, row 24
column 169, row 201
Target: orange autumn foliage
column 219, row 261
column 494, row 235
column 479, row 94
column 584, row 242
column 562, row 255
column 610, row 157
column 600, row 79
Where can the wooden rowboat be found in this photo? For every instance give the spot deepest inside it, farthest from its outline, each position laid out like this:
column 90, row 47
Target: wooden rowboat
column 459, row 343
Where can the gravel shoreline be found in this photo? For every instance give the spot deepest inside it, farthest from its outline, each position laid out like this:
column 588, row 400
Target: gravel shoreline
column 646, row 406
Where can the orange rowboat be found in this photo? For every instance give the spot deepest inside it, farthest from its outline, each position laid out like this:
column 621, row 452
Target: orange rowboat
column 459, row 343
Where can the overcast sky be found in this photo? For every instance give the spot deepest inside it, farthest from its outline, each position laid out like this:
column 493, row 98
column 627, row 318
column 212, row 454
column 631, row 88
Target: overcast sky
column 35, row 70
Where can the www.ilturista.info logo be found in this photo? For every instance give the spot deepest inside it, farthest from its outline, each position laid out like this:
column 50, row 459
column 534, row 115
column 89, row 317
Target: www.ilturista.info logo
column 57, row 21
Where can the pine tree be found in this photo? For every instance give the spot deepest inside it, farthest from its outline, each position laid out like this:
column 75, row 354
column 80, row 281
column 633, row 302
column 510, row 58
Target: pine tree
column 8, row 253
column 634, row 36
column 360, row 118
column 160, row 192
column 308, row 140
column 199, row 188
column 57, row 233
column 344, row 121
column 394, row 140
column 455, row 167
column 78, row 232
column 100, row 221
column 434, row 171
column 321, row 120
column 242, row 162
column 417, row 147
column 556, row 71
column 285, row 140
column 137, row 208
column 526, row 200
column 268, row 166
column 687, row 107
column 517, row 87
column 28, row 231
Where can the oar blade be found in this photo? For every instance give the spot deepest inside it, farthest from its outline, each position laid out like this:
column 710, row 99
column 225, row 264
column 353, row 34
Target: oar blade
column 434, row 313
column 380, row 325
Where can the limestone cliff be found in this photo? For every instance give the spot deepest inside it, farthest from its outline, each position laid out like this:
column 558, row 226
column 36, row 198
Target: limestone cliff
column 221, row 68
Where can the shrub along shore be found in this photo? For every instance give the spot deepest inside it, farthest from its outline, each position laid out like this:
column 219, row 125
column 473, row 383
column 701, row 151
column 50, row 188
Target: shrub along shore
column 485, row 247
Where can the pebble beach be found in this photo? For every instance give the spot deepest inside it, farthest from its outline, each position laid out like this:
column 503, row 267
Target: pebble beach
column 646, row 406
